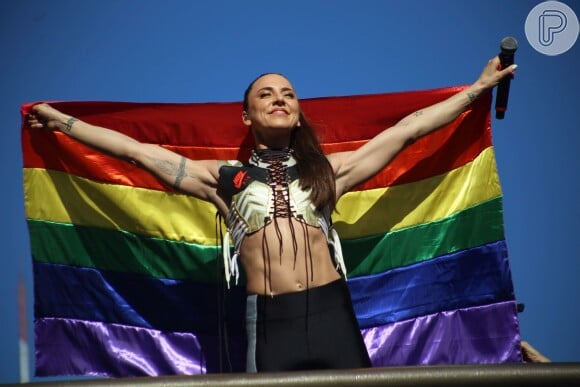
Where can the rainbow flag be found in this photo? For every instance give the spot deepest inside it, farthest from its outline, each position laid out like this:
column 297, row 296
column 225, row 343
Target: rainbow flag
column 126, row 277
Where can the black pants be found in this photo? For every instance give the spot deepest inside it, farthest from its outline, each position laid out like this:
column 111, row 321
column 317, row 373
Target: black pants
column 312, row 329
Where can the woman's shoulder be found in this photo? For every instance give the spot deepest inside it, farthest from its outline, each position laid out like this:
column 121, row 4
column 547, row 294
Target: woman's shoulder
column 229, row 163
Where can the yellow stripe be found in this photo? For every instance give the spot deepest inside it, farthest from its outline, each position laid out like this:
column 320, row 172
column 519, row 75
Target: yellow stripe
column 378, row 211
column 60, row 197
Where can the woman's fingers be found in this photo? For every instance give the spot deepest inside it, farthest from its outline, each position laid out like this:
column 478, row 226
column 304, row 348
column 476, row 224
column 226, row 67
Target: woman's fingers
column 34, row 121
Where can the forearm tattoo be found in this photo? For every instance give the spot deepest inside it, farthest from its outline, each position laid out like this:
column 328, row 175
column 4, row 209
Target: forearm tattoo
column 169, row 168
column 407, row 120
column 472, row 97
column 180, row 173
column 69, row 123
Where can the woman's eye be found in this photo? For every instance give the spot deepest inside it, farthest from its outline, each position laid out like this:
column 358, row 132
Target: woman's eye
column 263, row 95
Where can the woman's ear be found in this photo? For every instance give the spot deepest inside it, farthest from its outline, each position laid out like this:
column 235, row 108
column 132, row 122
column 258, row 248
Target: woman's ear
column 246, row 118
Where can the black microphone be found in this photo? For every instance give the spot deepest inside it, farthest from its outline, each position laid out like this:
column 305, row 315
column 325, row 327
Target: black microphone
column 507, row 47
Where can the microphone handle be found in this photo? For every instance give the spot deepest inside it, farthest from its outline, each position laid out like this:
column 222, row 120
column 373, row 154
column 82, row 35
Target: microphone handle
column 503, row 89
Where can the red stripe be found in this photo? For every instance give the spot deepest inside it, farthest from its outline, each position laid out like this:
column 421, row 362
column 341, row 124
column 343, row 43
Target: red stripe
column 216, row 132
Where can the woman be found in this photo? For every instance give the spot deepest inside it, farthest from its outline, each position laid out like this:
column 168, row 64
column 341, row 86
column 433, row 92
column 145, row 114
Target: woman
column 277, row 209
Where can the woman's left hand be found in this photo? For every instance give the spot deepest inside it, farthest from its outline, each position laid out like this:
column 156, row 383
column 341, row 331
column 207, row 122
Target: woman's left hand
column 493, row 73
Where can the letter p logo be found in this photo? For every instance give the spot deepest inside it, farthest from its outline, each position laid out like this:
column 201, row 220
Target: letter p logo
column 552, row 28
column 551, row 22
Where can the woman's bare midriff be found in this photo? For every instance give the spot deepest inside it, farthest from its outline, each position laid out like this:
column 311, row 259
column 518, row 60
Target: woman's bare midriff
column 289, row 271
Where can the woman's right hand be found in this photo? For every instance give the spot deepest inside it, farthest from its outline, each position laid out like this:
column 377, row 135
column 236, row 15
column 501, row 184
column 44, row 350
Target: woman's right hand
column 45, row 116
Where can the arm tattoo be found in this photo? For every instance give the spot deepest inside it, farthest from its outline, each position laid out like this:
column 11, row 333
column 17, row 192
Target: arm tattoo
column 180, row 173
column 472, row 97
column 69, row 123
column 169, row 168
column 407, row 120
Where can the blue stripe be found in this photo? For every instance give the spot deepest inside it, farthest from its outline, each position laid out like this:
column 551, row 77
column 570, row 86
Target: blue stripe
column 471, row 277
column 89, row 294
column 476, row 276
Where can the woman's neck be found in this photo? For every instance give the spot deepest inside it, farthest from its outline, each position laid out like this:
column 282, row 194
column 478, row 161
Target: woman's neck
column 265, row 157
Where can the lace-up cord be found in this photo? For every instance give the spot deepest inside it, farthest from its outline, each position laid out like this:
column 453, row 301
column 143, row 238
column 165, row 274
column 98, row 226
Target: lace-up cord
column 278, row 180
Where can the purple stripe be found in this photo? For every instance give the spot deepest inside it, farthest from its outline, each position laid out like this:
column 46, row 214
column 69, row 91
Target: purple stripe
column 477, row 335
column 113, row 350
column 486, row 334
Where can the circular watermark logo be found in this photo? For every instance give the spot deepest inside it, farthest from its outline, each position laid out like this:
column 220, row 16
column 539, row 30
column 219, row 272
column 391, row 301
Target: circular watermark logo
column 552, row 28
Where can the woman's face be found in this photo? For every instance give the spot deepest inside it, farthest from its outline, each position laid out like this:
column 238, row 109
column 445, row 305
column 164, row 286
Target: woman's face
column 273, row 109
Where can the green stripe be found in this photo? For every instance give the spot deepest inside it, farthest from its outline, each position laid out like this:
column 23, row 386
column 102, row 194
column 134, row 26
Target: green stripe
column 471, row 227
column 123, row 251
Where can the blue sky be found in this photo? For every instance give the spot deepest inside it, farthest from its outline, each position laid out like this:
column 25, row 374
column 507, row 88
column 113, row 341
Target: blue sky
column 205, row 51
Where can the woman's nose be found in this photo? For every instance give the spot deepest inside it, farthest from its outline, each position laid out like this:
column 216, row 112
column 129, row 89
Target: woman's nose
column 279, row 99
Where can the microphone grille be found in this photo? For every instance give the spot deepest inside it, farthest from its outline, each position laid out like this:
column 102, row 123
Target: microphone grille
column 509, row 44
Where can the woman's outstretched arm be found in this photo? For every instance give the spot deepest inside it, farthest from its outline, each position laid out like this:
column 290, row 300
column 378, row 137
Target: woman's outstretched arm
column 355, row 167
column 197, row 178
